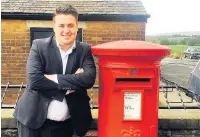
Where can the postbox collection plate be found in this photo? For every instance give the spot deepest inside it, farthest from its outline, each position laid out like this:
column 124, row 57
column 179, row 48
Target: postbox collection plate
column 132, row 105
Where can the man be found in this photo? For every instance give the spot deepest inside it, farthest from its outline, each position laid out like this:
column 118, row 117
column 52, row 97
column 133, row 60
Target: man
column 59, row 70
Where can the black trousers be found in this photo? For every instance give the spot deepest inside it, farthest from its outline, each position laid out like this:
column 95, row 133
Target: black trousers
column 50, row 128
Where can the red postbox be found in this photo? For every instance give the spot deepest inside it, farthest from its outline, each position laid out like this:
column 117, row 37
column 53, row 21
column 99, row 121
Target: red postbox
column 129, row 75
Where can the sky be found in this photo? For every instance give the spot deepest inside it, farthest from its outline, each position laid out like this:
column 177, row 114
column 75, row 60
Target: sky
column 172, row 16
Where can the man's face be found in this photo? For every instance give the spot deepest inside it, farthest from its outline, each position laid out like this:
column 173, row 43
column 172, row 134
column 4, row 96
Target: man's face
column 65, row 28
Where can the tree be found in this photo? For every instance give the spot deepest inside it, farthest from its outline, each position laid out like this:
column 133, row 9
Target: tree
column 194, row 41
column 184, row 41
column 165, row 42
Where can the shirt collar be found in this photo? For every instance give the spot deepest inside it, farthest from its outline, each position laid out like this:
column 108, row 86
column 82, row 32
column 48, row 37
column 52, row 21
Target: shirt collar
column 69, row 50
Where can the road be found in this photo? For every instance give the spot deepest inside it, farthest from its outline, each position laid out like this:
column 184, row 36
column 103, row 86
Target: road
column 177, row 70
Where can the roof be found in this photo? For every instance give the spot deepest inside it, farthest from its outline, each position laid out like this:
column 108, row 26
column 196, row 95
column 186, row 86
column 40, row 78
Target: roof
column 84, row 7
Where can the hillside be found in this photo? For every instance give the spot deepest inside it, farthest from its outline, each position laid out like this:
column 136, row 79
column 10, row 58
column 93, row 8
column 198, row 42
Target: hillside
column 188, row 33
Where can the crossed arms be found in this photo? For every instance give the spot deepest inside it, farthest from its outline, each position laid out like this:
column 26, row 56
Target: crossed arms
column 38, row 81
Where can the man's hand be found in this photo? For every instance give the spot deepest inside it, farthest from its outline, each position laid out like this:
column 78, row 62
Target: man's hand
column 80, row 70
column 52, row 77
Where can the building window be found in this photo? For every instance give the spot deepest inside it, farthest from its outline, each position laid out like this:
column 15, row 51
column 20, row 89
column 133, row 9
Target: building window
column 38, row 33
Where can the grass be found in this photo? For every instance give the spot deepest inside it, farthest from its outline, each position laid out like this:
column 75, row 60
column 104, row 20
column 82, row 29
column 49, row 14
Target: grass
column 177, row 48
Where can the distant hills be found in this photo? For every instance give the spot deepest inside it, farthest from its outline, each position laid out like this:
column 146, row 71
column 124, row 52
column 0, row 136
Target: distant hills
column 191, row 38
column 188, row 33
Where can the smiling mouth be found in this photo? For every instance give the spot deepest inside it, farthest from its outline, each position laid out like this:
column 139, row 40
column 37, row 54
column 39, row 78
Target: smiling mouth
column 66, row 37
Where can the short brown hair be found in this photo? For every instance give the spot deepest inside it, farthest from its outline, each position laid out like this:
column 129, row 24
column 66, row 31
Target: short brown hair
column 66, row 9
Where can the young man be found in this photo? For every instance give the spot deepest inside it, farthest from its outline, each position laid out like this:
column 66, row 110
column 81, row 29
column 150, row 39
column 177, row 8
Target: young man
column 59, row 70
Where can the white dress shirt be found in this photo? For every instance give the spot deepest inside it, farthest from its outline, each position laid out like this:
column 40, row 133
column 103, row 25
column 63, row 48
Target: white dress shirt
column 59, row 111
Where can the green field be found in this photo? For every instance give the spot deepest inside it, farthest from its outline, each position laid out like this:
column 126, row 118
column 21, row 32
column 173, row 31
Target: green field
column 177, row 48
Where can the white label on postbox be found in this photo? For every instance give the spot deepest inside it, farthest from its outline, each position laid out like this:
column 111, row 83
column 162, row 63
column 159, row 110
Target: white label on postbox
column 132, row 106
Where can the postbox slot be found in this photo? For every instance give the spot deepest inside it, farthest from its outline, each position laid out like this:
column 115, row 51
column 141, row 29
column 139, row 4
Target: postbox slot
column 133, row 80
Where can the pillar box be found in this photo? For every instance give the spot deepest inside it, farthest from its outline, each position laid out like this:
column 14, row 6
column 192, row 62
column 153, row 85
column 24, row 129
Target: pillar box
column 129, row 76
